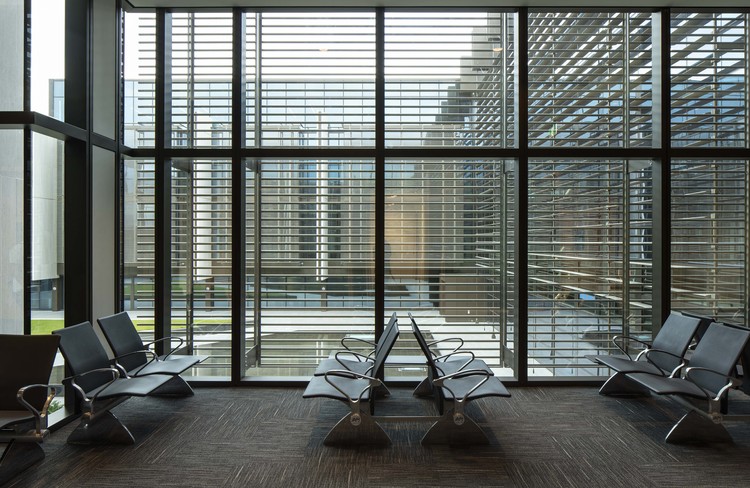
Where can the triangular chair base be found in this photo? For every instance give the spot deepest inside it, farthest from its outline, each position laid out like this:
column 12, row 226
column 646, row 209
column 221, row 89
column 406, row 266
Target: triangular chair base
column 344, row 433
column 696, row 427
column 17, row 457
column 104, row 428
column 446, row 431
column 620, row 385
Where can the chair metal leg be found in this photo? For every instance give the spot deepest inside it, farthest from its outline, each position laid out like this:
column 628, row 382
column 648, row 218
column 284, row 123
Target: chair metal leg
column 177, row 386
column 355, row 430
column 17, row 457
column 447, row 431
column 424, row 389
column 620, row 385
column 697, row 427
column 103, row 428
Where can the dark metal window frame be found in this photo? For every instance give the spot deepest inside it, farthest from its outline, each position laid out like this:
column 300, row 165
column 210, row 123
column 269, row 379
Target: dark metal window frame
column 80, row 139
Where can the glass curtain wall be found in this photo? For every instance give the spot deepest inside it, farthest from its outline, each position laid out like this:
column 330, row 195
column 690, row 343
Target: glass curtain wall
column 312, row 150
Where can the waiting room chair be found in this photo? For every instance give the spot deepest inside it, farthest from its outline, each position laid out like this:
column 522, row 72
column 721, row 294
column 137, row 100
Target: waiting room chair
column 136, row 359
column 99, row 386
column 25, row 366
column 661, row 357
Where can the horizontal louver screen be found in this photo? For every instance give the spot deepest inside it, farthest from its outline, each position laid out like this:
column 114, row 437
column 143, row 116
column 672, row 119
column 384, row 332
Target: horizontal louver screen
column 201, row 260
column 138, row 242
column 317, row 253
column 447, row 79
column 709, row 59
column 445, row 259
column 589, row 79
column 201, row 79
column 583, row 217
column 139, row 98
column 709, row 246
column 318, row 79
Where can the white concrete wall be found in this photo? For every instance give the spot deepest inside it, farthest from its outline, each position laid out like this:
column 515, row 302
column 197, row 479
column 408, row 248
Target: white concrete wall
column 11, row 235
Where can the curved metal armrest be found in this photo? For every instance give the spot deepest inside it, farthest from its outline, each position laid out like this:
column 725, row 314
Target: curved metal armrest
column 463, row 374
column 345, row 373
column 360, row 357
column 356, row 339
column 40, row 416
column 148, row 352
column 168, row 338
column 732, row 382
column 72, row 379
column 675, row 371
column 624, row 338
column 456, row 353
column 455, row 349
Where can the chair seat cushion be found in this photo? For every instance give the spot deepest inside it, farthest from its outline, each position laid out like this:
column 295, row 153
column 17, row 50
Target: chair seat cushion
column 319, row 387
column 454, row 365
column 361, row 367
column 11, row 417
column 171, row 365
column 459, row 387
column 623, row 364
column 137, row 386
column 662, row 385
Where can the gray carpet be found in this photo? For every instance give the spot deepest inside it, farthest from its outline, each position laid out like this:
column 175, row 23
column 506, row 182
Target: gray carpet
column 271, row 437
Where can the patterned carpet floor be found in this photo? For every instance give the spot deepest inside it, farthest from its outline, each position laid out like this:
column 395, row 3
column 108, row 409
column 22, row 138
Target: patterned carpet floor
column 272, row 437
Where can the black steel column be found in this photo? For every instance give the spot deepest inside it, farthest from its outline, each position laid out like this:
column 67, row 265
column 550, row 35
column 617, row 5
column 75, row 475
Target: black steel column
column 162, row 180
column 662, row 212
column 521, row 272
column 239, row 238
column 379, row 175
column 77, row 178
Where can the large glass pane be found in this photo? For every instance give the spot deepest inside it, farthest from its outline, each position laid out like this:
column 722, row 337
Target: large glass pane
column 138, row 244
column 139, row 85
column 449, row 78
column 11, row 237
column 448, row 253
column 12, row 28
column 590, row 79
column 47, row 251
column 709, row 62
column 709, row 246
column 318, row 72
column 589, row 260
column 47, row 57
column 317, row 261
column 201, row 79
column 201, row 261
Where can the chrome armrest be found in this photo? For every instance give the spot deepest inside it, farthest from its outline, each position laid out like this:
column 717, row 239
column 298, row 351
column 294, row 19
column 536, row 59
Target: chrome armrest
column 168, row 338
column 455, row 349
column 624, row 338
column 72, row 380
column 459, row 402
column 345, row 373
column 732, row 382
column 147, row 352
column 40, row 416
column 646, row 353
column 360, row 357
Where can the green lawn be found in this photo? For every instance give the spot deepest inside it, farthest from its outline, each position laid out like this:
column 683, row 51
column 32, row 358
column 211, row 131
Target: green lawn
column 46, row 326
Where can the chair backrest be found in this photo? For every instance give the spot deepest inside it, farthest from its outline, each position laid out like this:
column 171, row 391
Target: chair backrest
column 385, row 344
column 25, row 360
column 83, row 352
column 719, row 350
column 424, row 347
column 123, row 338
column 674, row 337
column 382, row 342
